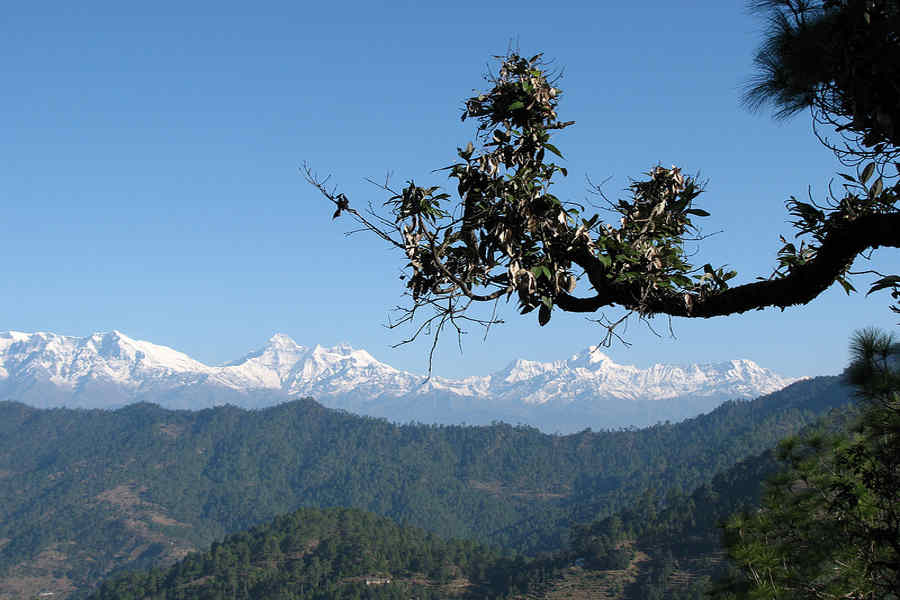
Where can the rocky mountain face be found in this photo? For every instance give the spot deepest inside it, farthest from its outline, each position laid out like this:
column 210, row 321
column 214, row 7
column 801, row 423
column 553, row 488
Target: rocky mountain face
column 108, row 370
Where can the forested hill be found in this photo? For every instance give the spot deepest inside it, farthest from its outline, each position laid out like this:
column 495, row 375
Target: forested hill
column 661, row 547
column 320, row 555
column 669, row 545
column 641, row 553
column 83, row 493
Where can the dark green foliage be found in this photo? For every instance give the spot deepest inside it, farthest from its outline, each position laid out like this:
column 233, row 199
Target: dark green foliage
column 682, row 531
column 829, row 525
column 318, row 555
column 675, row 531
column 85, row 478
column 314, row 554
column 840, row 58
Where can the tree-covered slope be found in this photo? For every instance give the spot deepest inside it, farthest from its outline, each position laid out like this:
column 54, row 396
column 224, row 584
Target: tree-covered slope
column 84, row 493
column 318, row 555
column 662, row 547
column 669, row 545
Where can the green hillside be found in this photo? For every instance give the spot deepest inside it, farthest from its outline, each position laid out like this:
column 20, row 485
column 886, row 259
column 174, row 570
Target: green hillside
column 660, row 548
column 86, row 493
column 667, row 545
column 335, row 553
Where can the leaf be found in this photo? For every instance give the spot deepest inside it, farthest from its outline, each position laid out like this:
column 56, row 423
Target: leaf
column 681, row 280
column 518, row 104
column 696, row 211
column 848, row 177
column 605, row 260
column 867, row 172
column 553, row 149
column 543, row 315
column 848, row 287
column 541, row 270
column 877, row 188
column 884, row 282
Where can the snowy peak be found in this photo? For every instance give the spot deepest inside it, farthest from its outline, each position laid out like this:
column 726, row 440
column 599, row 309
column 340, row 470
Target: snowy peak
column 289, row 367
column 269, row 366
column 116, row 346
column 281, row 340
column 284, row 356
column 279, row 345
column 136, row 366
column 523, row 370
column 344, row 355
column 587, row 389
column 341, row 369
column 591, row 373
column 590, row 356
column 111, row 357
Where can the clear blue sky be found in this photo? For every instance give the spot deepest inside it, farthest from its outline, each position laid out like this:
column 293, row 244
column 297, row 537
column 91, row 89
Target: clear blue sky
column 149, row 167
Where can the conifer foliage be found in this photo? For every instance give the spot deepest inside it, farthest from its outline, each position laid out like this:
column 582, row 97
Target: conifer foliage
column 829, row 526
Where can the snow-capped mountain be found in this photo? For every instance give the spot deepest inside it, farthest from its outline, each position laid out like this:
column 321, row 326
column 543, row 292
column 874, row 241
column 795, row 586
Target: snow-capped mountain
column 107, row 370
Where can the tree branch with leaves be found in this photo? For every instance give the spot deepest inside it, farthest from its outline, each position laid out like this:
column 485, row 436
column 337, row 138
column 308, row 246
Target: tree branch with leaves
column 507, row 236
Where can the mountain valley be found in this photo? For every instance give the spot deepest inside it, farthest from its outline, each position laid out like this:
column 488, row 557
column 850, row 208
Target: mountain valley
column 85, row 494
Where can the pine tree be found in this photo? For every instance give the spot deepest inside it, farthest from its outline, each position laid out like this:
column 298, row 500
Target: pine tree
column 829, row 526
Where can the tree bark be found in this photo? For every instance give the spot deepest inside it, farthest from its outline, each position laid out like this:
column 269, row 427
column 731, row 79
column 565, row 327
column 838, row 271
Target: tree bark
column 836, row 253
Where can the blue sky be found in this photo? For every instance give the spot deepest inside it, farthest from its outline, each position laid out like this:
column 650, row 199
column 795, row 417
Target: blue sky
column 149, row 168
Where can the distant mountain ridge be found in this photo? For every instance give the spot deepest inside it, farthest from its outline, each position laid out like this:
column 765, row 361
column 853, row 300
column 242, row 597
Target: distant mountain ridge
column 107, row 370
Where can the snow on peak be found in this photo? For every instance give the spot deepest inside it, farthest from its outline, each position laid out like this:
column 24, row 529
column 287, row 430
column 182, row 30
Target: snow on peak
column 523, row 370
column 284, row 365
column 16, row 336
column 596, row 356
column 282, row 340
column 116, row 346
column 590, row 356
column 112, row 357
column 345, row 377
column 591, row 373
column 268, row 367
column 342, row 357
column 8, row 338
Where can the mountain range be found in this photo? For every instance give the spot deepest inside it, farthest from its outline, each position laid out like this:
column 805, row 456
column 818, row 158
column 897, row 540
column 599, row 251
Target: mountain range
column 108, row 370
